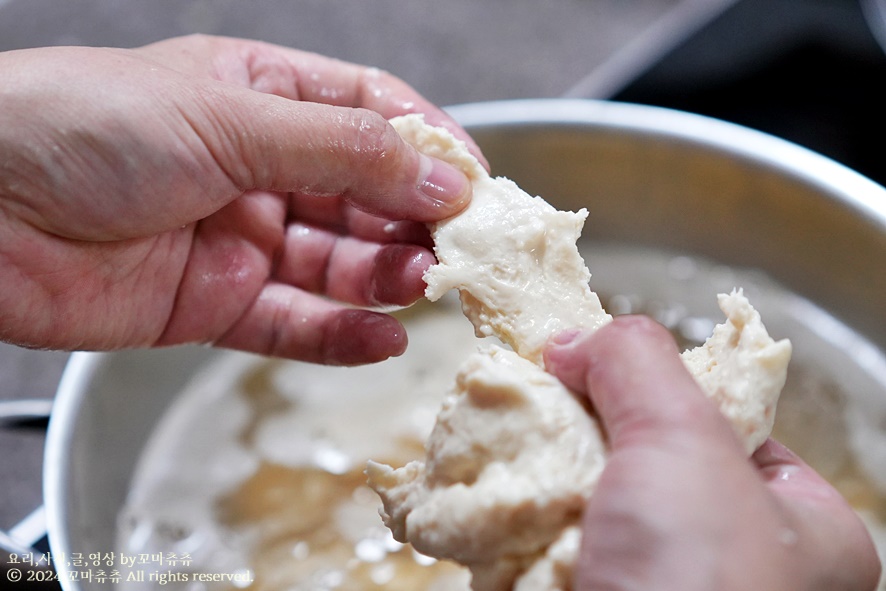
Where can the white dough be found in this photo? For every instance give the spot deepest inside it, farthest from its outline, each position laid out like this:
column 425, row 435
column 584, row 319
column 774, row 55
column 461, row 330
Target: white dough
column 512, row 257
column 742, row 369
column 514, row 454
column 510, row 463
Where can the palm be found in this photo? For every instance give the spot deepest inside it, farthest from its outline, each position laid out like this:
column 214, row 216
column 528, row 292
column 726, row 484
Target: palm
column 188, row 283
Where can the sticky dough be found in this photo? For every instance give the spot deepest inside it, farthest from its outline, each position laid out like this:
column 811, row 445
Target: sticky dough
column 514, row 455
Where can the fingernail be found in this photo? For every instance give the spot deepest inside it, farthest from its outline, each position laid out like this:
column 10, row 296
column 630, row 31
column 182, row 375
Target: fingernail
column 442, row 182
column 563, row 338
column 557, row 347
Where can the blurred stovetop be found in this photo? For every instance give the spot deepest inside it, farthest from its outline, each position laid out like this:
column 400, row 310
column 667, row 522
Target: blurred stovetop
column 809, row 71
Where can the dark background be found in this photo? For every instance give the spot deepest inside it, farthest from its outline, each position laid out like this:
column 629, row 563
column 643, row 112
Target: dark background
column 810, row 71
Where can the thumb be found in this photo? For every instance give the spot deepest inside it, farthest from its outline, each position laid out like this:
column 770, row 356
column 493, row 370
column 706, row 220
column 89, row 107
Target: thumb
column 638, row 384
column 264, row 141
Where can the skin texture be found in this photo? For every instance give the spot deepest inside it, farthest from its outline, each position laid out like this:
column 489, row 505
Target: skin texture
column 679, row 506
column 212, row 190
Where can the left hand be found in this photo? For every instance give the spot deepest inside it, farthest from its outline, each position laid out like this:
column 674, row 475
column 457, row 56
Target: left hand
column 216, row 190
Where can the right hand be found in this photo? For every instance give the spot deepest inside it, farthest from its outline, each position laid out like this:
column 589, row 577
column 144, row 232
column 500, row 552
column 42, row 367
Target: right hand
column 679, row 505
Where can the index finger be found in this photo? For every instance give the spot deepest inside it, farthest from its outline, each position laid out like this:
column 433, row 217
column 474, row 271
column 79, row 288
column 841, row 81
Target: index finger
column 306, row 76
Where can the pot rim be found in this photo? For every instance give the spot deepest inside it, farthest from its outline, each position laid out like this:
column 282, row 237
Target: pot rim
column 78, row 372
column 857, row 191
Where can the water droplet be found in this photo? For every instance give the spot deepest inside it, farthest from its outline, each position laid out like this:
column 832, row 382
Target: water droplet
column 788, row 537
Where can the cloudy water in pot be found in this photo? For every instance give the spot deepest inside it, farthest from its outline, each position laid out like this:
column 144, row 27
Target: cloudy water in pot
column 254, row 477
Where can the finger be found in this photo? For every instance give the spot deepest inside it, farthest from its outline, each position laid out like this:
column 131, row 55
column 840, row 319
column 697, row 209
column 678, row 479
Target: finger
column 286, row 322
column 821, row 518
column 369, row 227
column 337, row 215
column 813, row 501
column 266, row 142
column 228, row 262
column 789, row 476
column 391, row 97
column 300, row 75
column 351, row 270
column 637, row 383
column 326, row 80
column 663, row 433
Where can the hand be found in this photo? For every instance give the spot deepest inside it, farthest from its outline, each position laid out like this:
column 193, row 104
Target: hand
column 212, row 190
column 679, row 506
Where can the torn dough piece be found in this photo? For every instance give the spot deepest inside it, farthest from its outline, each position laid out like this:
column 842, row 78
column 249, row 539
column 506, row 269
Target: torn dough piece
column 495, row 436
column 512, row 257
column 742, row 369
column 511, row 462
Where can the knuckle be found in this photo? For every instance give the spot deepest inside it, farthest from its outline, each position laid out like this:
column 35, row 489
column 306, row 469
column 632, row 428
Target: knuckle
column 376, row 143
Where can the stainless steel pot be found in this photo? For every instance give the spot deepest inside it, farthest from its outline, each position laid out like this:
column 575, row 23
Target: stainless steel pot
column 651, row 177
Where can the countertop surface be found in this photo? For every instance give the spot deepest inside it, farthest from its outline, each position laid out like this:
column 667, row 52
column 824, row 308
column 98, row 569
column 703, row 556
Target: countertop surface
column 452, row 52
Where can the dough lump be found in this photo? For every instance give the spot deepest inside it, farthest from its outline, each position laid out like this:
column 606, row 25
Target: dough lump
column 742, row 369
column 514, row 454
column 512, row 257
column 511, row 462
